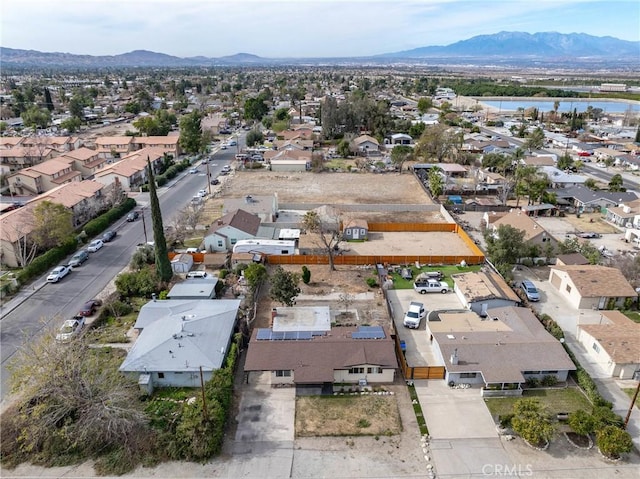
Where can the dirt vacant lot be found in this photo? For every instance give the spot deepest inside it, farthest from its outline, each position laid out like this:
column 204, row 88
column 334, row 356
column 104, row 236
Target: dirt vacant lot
column 350, row 415
column 333, row 188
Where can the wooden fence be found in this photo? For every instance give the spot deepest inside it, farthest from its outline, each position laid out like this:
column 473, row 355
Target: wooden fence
column 365, row 260
column 420, row 227
column 417, row 372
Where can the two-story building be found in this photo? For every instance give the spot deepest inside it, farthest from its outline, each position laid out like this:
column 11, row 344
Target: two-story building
column 43, row 177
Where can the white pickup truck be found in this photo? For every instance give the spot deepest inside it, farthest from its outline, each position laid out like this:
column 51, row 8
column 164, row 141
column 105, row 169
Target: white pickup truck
column 431, row 286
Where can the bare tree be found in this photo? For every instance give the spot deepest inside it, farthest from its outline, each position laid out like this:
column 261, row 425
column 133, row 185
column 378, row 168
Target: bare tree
column 25, row 248
column 346, row 300
column 328, row 233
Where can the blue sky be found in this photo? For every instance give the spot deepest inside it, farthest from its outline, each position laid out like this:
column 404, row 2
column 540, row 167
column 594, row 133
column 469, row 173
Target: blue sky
column 296, row 28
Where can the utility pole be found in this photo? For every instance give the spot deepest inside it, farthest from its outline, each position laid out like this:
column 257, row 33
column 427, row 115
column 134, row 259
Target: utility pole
column 633, row 401
column 208, row 178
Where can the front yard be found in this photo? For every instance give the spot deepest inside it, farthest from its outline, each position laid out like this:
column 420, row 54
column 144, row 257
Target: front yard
column 555, row 400
column 349, row 415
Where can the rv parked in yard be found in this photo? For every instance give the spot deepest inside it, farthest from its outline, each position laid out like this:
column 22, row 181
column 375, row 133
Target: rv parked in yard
column 265, row 246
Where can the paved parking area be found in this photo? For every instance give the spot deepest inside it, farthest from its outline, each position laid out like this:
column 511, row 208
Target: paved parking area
column 419, row 351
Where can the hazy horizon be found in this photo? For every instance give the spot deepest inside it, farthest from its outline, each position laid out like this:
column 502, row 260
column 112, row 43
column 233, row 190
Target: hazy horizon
column 290, row 29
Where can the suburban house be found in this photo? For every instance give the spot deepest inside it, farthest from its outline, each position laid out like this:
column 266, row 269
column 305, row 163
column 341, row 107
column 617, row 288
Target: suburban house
column 42, row 177
column 571, row 259
column 60, row 144
column 586, row 199
column 303, row 132
column 166, row 144
column 483, row 290
column 302, row 349
column 179, row 339
column 264, row 206
column 227, row 230
column 83, row 199
column 19, row 157
column 364, row 144
column 290, row 159
column 214, row 123
column 538, row 161
column 500, row 351
column 625, row 215
column 560, row 179
column 591, row 286
column 534, row 234
column 113, row 147
column 613, row 344
column 194, row 288
column 85, row 160
column 400, row 139
column 131, row 170
column 355, row 229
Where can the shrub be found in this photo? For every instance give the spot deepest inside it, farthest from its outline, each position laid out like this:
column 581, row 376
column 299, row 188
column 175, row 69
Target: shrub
column 532, row 382
column 102, row 222
column 163, row 294
column 223, row 273
column 139, row 283
column 581, row 422
column 532, row 422
column 306, row 275
column 240, row 267
column 549, row 380
column 603, row 416
column 505, row 420
column 527, row 262
column 613, row 441
column 372, row 282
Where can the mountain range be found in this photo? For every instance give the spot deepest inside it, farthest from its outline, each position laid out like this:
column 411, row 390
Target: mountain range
column 503, row 47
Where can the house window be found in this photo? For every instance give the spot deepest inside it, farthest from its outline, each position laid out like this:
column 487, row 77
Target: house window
column 568, row 288
column 532, row 372
column 467, row 375
column 356, row 371
column 219, row 243
column 596, row 348
column 234, row 241
column 375, row 370
column 363, row 232
column 160, row 375
column 550, row 372
column 283, row 373
column 285, row 251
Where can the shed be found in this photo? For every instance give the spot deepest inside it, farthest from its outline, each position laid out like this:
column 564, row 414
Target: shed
column 182, row 263
column 355, row 230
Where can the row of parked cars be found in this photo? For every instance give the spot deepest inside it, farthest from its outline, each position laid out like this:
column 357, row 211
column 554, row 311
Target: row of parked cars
column 72, row 328
column 80, row 257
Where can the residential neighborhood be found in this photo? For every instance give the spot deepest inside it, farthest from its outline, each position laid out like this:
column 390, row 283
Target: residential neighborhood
column 254, row 237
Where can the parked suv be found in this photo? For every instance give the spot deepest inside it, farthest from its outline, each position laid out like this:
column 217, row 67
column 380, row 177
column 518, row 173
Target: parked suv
column 530, row 290
column 414, row 315
column 424, row 286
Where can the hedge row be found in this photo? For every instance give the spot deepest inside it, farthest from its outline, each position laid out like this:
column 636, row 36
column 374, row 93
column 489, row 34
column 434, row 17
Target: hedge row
column 169, row 174
column 102, row 222
column 45, row 261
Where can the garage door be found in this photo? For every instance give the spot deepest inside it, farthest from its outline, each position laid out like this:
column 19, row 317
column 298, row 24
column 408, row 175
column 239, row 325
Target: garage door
column 556, row 281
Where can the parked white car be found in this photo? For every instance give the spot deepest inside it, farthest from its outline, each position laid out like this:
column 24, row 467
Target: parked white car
column 94, row 246
column 58, row 273
column 71, row 328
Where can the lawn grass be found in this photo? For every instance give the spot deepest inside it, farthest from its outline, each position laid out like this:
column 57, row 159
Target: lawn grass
column 193, row 242
column 630, row 392
column 114, row 330
column 417, row 409
column 400, row 283
column 632, row 315
column 350, row 415
column 555, row 400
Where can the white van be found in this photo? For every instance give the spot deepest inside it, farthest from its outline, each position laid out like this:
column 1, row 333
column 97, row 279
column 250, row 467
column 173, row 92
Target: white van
column 414, row 315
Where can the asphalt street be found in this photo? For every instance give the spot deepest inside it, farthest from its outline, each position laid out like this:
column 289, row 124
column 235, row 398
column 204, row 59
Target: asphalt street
column 52, row 303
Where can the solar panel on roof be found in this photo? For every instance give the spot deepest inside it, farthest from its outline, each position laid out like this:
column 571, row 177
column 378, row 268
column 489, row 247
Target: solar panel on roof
column 270, row 335
column 369, row 332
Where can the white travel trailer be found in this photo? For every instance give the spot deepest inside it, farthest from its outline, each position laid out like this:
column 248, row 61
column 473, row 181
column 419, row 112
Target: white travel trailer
column 265, row 246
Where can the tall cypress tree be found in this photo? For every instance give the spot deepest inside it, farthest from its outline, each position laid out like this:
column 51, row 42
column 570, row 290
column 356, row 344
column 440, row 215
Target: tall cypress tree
column 48, row 102
column 163, row 265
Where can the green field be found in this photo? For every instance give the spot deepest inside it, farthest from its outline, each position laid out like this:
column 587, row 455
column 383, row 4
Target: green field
column 555, row 400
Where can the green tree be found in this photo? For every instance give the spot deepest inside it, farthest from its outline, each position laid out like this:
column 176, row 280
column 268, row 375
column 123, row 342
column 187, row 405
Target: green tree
column 437, row 141
column 613, row 441
column 585, row 248
column 281, row 114
column 506, row 245
column 591, row 184
column 36, row 117
column 343, row 149
column 48, row 102
column 76, row 107
column 535, row 140
column 565, row 162
column 163, row 265
column 71, row 124
column 616, row 183
column 532, row 422
column 191, row 132
column 424, row 104
column 53, row 224
column 436, row 182
column 581, row 422
column 254, row 137
column 400, row 154
column 255, row 109
column 284, row 286
column 255, row 273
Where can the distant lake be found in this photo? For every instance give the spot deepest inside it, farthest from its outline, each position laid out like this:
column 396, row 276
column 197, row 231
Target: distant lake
column 565, row 105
